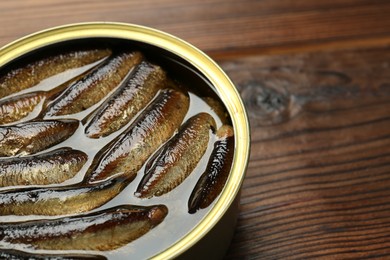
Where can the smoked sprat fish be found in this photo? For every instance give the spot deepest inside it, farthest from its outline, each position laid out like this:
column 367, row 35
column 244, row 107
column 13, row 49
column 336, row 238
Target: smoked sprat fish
column 218, row 109
column 92, row 88
column 35, row 136
column 212, row 181
column 31, row 74
column 155, row 125
column 103, row 230
column 177, row 158
column 12, row 254
column 51, row 201
column 47, row 168
column 20, row 106
column 127, row 101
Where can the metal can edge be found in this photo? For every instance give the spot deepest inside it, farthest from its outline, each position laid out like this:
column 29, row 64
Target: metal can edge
column 228, row 199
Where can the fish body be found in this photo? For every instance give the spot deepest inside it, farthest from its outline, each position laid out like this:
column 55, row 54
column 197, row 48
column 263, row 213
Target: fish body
column 212, row 181
column 127, row 101
column 155, row 125
column 12, row 254
column 25, row 77
column 16, row 108
column 48, row 168
column 102, row 230
column 35, row 136
column 218, row 108
column 177, row 158
column 62, row 200
column 94, row 86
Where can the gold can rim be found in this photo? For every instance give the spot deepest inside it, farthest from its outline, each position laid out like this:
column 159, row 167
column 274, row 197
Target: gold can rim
column 223, row 85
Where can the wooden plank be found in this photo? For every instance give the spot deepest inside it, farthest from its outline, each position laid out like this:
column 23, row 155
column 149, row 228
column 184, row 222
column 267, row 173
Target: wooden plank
column 215, row 26
column 318, row 183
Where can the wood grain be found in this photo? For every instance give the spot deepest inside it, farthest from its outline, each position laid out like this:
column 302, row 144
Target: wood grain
column 314, row 76
column 215, row 26
column 318, row 183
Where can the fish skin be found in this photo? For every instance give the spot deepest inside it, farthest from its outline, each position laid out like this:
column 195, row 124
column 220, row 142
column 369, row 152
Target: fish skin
column 30, row 75
column 95, row 86
column 155, row 125
column 212, row 181
column 63, row 200
column 12, row 254
column 141, row 87
column 218, row 108
column 177, row 158
column 48, row 168
column 18, row 107
column 35, row 136
column 103, row 230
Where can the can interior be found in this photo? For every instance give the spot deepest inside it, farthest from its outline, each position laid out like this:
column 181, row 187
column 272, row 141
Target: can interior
column 176, row 67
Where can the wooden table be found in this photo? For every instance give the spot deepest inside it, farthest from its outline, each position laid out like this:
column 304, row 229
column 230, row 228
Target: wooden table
column 315, row 78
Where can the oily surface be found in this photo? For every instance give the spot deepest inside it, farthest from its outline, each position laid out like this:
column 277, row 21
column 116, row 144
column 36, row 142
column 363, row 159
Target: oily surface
column 177, row 159
column 102, row 230
column 70, row 172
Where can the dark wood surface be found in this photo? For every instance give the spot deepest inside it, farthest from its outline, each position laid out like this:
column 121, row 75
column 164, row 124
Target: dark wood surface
column 315, row 78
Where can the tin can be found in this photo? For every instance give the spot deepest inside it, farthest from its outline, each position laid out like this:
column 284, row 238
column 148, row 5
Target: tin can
column 211, row 237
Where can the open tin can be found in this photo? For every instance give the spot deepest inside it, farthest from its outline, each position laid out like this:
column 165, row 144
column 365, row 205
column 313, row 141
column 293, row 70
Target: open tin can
column 212, row 230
